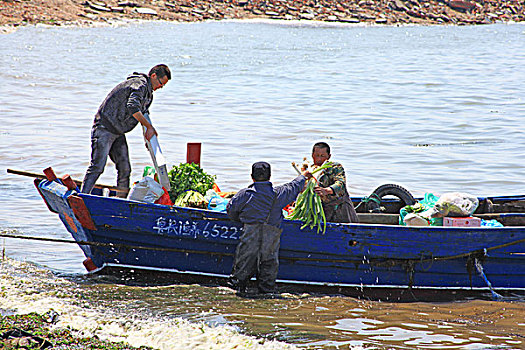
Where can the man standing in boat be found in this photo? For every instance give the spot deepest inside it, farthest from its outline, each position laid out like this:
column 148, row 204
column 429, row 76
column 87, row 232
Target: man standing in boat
column 123, row 108
column 337, row 204
column 260, row 208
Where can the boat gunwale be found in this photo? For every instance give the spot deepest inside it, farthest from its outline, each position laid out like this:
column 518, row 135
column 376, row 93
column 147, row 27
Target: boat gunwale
column 220, row 215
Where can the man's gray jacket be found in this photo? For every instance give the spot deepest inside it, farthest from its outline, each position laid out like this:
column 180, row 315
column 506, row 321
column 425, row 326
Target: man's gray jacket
column 127, row 98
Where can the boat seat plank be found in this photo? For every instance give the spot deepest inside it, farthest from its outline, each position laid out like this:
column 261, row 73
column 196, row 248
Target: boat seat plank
column 507, row 219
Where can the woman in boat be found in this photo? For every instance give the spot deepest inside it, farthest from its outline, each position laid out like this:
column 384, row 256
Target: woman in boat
column 337, row 204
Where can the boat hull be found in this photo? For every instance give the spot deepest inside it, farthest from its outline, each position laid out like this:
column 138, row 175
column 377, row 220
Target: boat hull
column 354, row 259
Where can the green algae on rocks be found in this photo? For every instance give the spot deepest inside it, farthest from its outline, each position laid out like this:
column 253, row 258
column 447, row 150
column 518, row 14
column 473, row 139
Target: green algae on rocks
column 36, row 331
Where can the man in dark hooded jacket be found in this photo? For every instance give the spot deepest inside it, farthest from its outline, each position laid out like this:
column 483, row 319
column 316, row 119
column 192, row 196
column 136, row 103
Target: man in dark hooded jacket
column 260, row 208
column 123, row 108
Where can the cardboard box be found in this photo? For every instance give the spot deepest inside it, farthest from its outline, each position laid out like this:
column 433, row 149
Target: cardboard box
column 462, row 222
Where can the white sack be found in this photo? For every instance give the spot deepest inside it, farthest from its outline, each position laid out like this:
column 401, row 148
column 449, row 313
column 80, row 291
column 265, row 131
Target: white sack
column 456, row 204
column 146, row 190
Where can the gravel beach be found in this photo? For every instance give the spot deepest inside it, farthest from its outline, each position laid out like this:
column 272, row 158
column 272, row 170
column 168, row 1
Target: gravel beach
column 14, row 13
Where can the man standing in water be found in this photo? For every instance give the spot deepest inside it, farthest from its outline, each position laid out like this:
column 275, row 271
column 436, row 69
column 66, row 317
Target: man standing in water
column 260, row 208
column 123, row 108
column 337, row 204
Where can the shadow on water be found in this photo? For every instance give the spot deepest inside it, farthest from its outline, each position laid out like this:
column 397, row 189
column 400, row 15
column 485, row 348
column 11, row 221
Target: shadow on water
column 145, row 278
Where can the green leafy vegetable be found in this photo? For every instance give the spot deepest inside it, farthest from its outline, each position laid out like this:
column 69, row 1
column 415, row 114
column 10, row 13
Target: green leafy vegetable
column 309, row 207
column 185, row 177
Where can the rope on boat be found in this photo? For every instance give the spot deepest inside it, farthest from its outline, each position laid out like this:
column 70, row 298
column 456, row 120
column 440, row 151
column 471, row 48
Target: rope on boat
column 113, row 245
column 479, row 267
column 465, row 255
column 372, row 198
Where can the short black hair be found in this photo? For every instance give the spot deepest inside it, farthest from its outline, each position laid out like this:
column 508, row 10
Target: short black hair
column 161, row 70
column 261, row 171
column 321, row 145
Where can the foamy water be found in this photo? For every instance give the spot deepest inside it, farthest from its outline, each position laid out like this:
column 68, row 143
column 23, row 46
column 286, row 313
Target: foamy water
column 26, row 288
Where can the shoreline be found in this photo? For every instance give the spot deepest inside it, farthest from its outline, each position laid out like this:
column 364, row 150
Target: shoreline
column 16, row 13
column 30, row 295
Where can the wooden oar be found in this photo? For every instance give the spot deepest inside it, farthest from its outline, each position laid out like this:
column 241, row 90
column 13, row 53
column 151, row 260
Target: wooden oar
column 78, row 182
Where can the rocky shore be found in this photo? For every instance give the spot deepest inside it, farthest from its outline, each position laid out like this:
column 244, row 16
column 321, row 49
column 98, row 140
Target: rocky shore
column 14, row 13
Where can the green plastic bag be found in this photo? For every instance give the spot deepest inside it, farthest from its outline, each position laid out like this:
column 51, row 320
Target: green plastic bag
column 148, row 171
column 426, row 203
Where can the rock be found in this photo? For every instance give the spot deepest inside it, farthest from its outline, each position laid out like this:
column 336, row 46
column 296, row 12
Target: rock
column 462, row 6
column 349, row 20
column 98, row 7
column 145, row 11
column 127, row 4
column 308, row 16
column 331, row 18
column 381, row 20
column 271, row 13
column 117, row 9
column 397, row 5
column 366, row 16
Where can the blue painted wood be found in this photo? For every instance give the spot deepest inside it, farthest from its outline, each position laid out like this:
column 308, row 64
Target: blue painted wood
column 199, row 241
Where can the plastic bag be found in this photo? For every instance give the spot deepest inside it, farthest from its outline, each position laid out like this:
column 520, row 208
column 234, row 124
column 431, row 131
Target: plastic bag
column 418, row 214
column 146, row 190
column 413, row 219
column 165, row 198
column 491, row 223
column 148, row 171
column 217, row 203
column 456, row 204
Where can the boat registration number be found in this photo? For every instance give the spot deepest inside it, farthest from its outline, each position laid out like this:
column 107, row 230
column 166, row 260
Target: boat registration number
column 195, row 229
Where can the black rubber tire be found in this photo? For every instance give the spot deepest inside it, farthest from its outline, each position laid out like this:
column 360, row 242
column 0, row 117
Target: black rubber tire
column 391, row 190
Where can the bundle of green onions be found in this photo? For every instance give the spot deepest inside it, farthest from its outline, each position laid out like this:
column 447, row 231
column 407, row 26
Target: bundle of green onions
column 308, row 207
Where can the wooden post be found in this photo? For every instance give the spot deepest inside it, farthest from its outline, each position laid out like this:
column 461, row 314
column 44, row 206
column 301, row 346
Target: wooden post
column 193, row 154
column 50, row 174
column 89, row 265
column 68, row 182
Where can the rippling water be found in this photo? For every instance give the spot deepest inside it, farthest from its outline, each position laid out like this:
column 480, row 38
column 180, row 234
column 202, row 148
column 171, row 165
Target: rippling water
column 434, row 109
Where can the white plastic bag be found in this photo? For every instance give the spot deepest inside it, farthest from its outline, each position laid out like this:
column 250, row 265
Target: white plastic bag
column 456, row 204
column 414, row 219
column 146, row 190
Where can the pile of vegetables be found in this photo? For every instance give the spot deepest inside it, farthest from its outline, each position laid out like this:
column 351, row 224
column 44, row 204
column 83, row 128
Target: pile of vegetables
column 185, row 177
column 308, row 207
column 191, row 199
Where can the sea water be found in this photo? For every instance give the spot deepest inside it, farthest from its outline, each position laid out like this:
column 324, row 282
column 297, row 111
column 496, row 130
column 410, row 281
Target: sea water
column 431, row 108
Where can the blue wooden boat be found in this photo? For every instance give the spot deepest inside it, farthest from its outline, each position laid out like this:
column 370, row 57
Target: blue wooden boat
column 376, row 258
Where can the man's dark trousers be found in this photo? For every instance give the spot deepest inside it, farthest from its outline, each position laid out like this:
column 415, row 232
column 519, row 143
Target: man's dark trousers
column 258, row 246
column 104, row 143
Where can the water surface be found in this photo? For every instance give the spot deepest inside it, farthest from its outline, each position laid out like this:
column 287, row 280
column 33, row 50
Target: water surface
column 433, row 109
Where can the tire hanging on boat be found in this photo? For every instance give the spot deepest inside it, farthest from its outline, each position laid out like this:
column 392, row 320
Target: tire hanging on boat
column 389, row 190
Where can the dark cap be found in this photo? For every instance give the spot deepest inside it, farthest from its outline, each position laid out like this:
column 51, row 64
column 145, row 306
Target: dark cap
column 261, row 171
